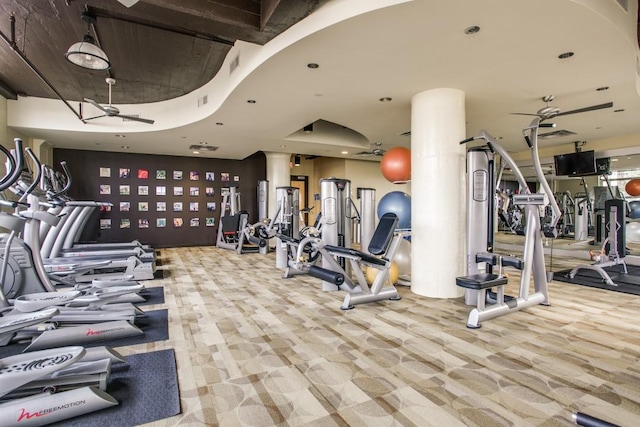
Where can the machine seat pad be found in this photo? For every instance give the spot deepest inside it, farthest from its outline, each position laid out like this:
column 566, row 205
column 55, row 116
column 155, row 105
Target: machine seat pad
column 481, row 281
column 230, row 223
column 368, row 258
column 384, row 233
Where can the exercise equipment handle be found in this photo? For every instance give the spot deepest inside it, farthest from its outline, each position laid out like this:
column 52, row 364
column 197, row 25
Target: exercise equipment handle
column 326, row 275
column 10, row 167
column 464, row 141
column 588, row 421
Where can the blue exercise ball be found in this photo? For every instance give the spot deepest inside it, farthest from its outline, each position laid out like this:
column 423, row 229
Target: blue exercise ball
column 635, row 209
column 398, row 203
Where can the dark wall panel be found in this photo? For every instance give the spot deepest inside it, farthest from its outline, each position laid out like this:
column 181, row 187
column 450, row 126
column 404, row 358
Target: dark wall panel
column 89, row 170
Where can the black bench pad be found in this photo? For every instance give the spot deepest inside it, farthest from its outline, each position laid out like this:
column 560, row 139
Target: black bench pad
column 481, row 281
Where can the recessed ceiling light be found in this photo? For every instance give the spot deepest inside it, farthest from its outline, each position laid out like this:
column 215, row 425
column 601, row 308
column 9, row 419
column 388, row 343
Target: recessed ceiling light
column 385, row 99
column 472, row 30
column 251, row 101
column 601, row 88
column 183, row 137
column 283, row 146
column 312, row 65
column 345, row 152
column 118, row 135
column 565, row 55
column 598, row 127
column 619, row 110
column 204, row 143
column 219, row 123
column 126, row 147
column 196, row 152
column 614, row 159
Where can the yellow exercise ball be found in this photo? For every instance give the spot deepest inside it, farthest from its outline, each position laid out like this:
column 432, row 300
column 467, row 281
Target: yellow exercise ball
column 371, row 273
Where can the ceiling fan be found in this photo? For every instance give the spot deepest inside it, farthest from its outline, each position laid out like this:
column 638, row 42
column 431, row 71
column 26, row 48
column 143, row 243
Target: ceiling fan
column 111, row 111
column 377, row 151
column 550, row 111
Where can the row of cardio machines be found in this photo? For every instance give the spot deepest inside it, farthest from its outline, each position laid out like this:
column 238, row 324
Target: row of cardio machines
column 59, row 245
column 54, row 370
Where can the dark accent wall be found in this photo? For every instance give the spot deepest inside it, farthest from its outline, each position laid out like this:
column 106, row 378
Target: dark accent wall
column 88, row 170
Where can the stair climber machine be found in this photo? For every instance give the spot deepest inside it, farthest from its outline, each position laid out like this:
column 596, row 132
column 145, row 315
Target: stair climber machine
column 481, row 260
column 73, row 313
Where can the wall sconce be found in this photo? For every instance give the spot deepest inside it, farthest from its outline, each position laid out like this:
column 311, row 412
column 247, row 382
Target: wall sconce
column 296, row 160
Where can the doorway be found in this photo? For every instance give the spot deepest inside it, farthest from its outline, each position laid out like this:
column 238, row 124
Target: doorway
column 301, row 182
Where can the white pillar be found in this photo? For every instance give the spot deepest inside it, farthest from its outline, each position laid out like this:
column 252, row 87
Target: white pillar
column 278, row 175
column 438, row 206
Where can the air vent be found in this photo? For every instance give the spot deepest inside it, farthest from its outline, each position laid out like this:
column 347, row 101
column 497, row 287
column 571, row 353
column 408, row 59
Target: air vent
column 202, row 101
column 407, row 133
column 202, row 147
column 234, row 64
column 556, row 134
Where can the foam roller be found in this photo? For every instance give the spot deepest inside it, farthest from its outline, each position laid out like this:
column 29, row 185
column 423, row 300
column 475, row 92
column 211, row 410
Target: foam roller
column 326, row 275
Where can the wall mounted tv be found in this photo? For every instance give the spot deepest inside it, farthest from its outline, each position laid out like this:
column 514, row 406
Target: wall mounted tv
column 576, row 164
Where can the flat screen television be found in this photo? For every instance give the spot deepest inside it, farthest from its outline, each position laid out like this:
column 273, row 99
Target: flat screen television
column 576, row 164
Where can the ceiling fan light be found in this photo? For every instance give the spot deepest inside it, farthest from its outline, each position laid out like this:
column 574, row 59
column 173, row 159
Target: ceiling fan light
column 86, row 54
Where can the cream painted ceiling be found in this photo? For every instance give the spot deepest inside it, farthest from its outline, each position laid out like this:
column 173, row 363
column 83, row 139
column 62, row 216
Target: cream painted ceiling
column 370, row 50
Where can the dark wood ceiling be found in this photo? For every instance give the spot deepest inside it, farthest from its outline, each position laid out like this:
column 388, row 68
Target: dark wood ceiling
column 158, row 49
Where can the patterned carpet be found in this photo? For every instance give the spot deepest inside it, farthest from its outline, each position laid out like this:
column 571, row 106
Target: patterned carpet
column 253, row 349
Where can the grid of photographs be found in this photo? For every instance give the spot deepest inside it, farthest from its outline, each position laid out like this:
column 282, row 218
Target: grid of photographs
column 129, row 192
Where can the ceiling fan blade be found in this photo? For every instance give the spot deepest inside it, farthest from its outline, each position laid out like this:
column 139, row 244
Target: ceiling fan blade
column 524, row 114
column 94, row 117
column 137, row 119
column 585, row 109
column 364, row 153
column 95, row 104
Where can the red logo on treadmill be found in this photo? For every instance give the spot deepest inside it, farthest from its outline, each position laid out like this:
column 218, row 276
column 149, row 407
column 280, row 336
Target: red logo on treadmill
column 91, row 332
column 26, row 415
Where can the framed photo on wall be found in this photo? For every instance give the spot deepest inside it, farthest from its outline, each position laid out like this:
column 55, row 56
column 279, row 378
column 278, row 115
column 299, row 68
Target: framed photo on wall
column 177, row 175
column 161, row 174
column 161, row 206
column 161, row 222
column 105, row 172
